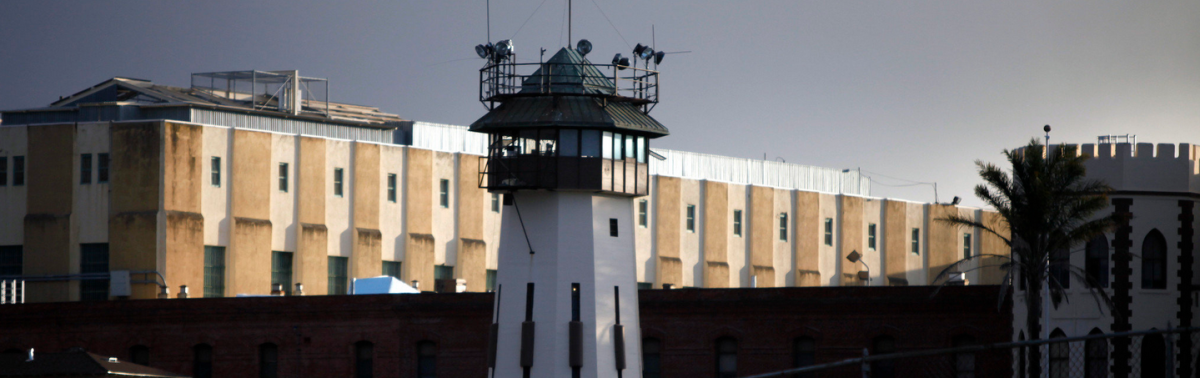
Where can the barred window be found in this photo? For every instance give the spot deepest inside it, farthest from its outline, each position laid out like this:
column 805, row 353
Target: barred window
column 337, row 275
column 214, row 271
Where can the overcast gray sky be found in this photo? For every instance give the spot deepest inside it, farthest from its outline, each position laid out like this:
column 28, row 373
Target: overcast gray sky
column 916, row 89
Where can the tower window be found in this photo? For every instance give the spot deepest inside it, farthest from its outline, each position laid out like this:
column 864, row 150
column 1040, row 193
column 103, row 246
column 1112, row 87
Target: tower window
column 337, row 275
column 871, row 236
column 102, row 168
column 1097, row 260
column 783, row 226
column 966, row 246
column 643, row 216
column 18, row 170
column 214, row 271
column 3, row 170
column 392, row 268
column 495, row 202
column 916, row 241
column 281, row 270
column 94, row 259
column 1154, row 261
column 612, row 227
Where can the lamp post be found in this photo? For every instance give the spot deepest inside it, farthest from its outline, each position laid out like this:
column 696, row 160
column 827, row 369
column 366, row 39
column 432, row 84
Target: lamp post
column 854, row 257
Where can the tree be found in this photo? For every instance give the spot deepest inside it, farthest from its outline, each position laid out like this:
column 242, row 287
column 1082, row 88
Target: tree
column 1047, row 206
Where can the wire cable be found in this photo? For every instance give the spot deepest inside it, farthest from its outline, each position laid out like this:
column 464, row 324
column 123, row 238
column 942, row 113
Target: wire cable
column 535, row 10
column 610, row 23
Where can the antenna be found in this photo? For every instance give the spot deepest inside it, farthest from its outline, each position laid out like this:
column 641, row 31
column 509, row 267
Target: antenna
column 489, row 21
column 568, row 24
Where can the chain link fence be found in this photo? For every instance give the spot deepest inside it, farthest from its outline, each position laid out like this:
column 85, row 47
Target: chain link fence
column 1142, row 354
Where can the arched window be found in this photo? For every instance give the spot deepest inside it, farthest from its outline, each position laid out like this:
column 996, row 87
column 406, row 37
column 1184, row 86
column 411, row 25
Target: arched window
column 364, row 359
column 139, row 354
column 268, row 360
column 1154, row 356
column 202, row 361
column 964, row 362
column 1060, row 356
column 726, row 357
column 1095, row 356
column 804, row 353
column 883, row 368
column 1154, row 261
column 1060, row 267
column 1096, row 264
column 426, row 359
column 1021, row 368
column 651, row 358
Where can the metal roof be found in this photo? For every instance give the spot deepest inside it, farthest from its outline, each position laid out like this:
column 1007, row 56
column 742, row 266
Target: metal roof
column 579, row 98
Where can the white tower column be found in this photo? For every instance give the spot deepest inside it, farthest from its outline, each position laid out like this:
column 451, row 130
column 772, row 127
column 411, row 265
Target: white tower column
column 573, row 242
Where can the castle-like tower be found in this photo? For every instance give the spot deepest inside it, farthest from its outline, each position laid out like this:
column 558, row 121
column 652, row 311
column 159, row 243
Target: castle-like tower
column 568, row 149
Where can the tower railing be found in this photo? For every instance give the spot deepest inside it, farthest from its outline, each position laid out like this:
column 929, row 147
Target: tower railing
column 613, row 82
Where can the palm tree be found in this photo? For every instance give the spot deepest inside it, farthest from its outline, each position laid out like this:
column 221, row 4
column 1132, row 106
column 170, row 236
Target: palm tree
column 1046, row 206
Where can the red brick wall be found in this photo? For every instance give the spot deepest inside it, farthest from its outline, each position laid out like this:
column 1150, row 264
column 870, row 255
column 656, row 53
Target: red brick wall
column 316, row 335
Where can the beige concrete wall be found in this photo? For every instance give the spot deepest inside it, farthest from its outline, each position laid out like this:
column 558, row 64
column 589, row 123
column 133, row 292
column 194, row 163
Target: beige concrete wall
column 310, row 264
column 668, row 226
column 915, row 215
column 807, row 238
column 338, row 154
column 442, row 220
column 829, row 259
column 689, row 241
column 945, row 241
column 850, row 237
column 90, row 211
column 418, row 196
column 739, row 274
column 391, row 214
column 283, row 203
column 644, row 237
column 367, row 254
column 994, row 245
column 782, row 254
column 248, row 259
column 718, row 229
column 763, row 235
column 137, row 152
column 49, row 244
column 181, row 225
column 873, row 257
column 895, row 251
column 13, row 142
column 215, row 200
column 473, row 203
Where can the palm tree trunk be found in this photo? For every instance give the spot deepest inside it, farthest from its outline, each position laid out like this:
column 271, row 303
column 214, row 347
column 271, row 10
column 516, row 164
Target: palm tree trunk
column 1033, row 322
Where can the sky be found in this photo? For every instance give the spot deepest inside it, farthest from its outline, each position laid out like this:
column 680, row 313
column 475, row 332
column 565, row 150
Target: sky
column 913, row 91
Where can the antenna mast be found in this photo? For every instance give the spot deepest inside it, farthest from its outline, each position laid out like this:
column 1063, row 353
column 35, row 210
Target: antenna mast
column 568, row 24
column 489, row 20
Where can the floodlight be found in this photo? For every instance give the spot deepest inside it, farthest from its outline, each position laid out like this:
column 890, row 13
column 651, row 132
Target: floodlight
column 658, row 57
column 583, row 47
column 483, row 50
column 624, row 63
column 853, row 256
column 955, row 201
column 620, row 62
column 643, row 52
column 504, row 48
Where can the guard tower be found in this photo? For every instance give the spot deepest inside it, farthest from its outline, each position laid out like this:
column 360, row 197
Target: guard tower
column 569, row 143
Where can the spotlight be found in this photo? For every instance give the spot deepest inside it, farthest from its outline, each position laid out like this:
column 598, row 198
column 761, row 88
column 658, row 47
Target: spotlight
column 658, row 57
column 616, row 59
column 583, row 47
column 643, row 52
column 484, row 51
column 620, row 62
column 504, row 48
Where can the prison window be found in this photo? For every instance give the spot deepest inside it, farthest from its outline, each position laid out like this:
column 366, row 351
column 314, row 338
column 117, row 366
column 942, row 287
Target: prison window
column 215, row 175
column 11, row 260
column 93, row 259
column 783, row 226
column 392, row 268
column 726, row 357
column 1096, row 264
column 606, row 145
column 102, row 168
column 589, row 144
column 283, row 177
column 1154, row 261
column 966, row 246
column 443, row 272
column 202, row 361
column 444, row 193
column 651, row 358
column 1060, row 356
column 1060, row 267
column 568, row 143
column 3, row 170
column 737, row 223
column 139, row 354
column 337, row 275
column 490, row 281
column 426, row 359
column 18, row 171
column 691, row 218
column 281, row 270
column 916, row 241
column 643, row 209
column 495, row 202
column 85, row 169
column 871, row 236
column 337, row 182
column 364, row 359
column 391, row 187
column 1154, row 356
column 268, row 361
column 612, row 227
column 829, row 231
column 214, row 271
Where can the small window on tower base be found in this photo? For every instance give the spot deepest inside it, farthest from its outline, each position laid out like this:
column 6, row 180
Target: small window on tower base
column 612, row 227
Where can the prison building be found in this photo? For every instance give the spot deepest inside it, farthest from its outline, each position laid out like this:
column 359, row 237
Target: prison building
column 129, row 187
